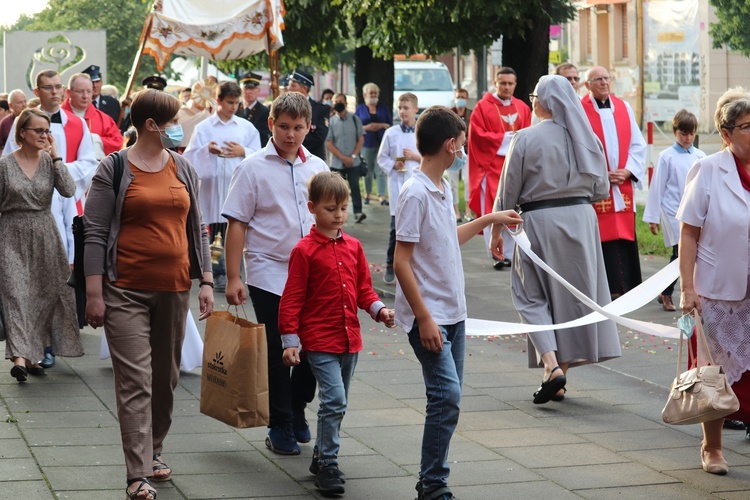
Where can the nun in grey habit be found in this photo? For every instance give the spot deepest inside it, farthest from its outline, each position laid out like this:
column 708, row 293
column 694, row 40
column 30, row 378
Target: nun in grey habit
column 553, row 171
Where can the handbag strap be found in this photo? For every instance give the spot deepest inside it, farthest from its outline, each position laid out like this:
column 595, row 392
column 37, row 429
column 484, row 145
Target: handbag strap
column 702, row 335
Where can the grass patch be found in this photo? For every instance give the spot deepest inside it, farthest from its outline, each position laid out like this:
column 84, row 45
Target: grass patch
column 649, row 244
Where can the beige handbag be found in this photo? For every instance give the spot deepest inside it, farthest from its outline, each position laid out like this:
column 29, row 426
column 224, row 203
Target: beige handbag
column 701, row 394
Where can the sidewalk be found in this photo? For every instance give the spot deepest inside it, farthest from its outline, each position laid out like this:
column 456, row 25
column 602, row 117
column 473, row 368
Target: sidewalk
column 60, row 437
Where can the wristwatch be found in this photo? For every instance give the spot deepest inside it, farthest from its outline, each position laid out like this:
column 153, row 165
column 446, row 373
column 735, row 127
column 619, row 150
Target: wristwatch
column 354, row 156
column 209, row 283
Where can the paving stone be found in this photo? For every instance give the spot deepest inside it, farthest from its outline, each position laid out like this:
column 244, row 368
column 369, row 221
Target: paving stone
column 602, row 422
column 647, row 439
column 607, row 475
column 238, row 485
column 14, row 448
column 505, row 438
column 65, row 419
column 17, row 469
column 674, row 491
column 72, row 456
column 52, row 404
column 36, row 490
column 72, row 436
column 499, row 419
column 535, row 457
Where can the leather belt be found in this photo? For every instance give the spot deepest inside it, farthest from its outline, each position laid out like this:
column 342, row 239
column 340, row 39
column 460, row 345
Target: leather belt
column 559, row 202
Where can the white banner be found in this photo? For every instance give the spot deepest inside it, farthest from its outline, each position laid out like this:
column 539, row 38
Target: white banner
column 629, row 302
column 230, row 29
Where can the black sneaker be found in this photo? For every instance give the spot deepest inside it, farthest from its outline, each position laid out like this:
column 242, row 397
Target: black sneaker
column 442, row 493
column 329, row 480
column 315, row 466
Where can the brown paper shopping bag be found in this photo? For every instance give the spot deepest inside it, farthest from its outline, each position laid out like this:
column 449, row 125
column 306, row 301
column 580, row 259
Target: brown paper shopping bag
column 234, row 380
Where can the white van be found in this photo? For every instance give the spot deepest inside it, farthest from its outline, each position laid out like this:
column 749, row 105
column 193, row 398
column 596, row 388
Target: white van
column 430, row 81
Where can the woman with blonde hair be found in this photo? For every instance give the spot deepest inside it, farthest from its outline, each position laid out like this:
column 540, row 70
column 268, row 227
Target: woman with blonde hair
column 376, row 118
column 714, row 263
column 33, row 262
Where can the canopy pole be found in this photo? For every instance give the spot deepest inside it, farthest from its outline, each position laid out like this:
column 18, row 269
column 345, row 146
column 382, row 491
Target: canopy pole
column 137, row 62
column 273, row 63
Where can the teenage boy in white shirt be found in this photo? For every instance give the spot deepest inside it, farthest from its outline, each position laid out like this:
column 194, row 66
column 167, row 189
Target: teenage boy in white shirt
column 267, row 212
column 430, row 299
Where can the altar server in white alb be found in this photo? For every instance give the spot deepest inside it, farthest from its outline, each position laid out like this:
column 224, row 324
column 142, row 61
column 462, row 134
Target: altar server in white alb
column 220, row 143
column 398, row 157
column 667, row 186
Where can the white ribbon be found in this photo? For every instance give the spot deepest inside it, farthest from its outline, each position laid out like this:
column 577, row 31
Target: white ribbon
column 629, row 302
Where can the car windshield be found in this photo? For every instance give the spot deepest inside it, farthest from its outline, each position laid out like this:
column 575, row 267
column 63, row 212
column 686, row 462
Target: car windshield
column 423, row 80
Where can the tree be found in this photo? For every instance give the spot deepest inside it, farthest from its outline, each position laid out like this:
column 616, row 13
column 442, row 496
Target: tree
column 123, row 20
column 732, row 29
column 437, row 26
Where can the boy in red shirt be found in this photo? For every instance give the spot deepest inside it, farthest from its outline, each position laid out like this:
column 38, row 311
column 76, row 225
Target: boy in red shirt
column 314, row 312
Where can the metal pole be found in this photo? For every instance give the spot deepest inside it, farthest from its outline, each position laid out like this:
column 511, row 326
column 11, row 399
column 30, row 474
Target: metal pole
column 639, row 104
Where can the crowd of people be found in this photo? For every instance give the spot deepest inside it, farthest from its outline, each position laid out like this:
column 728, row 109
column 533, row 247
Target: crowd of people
column 157, row 177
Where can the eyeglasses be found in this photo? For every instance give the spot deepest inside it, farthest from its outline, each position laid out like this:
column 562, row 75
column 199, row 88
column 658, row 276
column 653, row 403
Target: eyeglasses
column 601, row 79
column 83, row 92
column 50, row 88
column 532, row 97
column 742, row 127
column 573, row 79
column 40, row 131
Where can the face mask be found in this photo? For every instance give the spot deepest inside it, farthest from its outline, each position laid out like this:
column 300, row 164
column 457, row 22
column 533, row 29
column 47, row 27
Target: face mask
column 339, row 107
column 328, row 102
column 458, row 161
column 172, row 137
column 371, row 100
column 460, row 102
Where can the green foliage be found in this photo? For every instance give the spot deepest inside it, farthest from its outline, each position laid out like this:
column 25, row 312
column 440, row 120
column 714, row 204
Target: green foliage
column 649, row 244
column 123, row 20
column 733, row 28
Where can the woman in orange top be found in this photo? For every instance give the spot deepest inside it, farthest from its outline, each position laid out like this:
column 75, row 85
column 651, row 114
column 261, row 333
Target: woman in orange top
column 145, row 242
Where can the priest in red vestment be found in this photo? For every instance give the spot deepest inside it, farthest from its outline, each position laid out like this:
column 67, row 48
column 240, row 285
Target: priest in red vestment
column 613, row 122
column 494, row 121
column 104, row 132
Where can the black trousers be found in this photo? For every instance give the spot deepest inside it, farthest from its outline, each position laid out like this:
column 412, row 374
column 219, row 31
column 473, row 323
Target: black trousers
column 389, row 254
column 623, row 265
column 286, row 393
column 670, row 289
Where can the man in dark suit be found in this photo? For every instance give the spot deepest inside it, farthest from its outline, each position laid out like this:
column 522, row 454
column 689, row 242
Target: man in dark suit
column 104, row 103
column 315, row 142
column 251, row 109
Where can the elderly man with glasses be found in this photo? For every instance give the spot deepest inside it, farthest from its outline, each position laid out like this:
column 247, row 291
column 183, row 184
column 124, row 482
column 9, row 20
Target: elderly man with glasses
column 614, row 124
column 570, row 72
column 104, row 132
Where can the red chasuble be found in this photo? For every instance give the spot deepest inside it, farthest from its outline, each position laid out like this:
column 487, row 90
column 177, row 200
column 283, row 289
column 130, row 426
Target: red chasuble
column 490, row 120
column 614, row 225
column 73, row 137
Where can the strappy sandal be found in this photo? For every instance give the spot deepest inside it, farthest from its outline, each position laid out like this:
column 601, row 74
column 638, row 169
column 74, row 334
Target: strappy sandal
column 160, row 465
column 549, row 388
column 559, row 397
column 142, row 486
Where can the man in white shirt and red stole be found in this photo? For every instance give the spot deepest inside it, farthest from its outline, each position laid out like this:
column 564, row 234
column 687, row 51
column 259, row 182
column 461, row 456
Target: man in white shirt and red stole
column 104, row 132
column 614, row 124
column 495, row 120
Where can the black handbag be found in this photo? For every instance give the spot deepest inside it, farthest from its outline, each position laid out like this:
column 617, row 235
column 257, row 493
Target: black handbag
column 362, row 166
column 77, row 278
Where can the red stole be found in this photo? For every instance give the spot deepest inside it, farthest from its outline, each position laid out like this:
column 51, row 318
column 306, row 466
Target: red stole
column 614, row 225
column 73, row 137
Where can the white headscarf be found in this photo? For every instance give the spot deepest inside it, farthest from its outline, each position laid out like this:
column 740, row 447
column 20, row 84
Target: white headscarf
column 556, row 95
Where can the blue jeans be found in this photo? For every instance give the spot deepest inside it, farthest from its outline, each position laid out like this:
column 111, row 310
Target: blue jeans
column 443, row 374
column 333, row 373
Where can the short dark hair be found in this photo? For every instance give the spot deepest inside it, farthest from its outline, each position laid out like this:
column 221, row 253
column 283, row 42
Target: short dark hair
column 47, row 73
column 155, row 104
column 228, row 89
column 685, row 122
column 4, row 105
column 506, row 70
column 436, row 125
column 327, row 91
column 325, row 186
column 563, row 67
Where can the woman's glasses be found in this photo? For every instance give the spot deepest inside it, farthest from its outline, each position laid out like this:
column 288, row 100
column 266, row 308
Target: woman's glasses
column 40, row 131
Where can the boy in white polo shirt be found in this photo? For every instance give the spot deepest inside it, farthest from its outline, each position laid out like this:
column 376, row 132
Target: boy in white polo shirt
column 430, row 299
column 267, row 212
